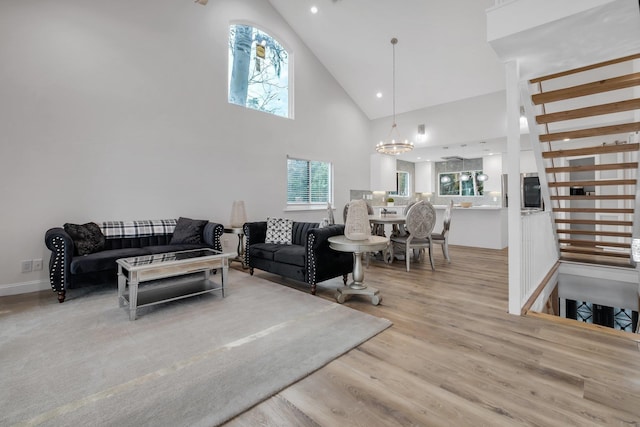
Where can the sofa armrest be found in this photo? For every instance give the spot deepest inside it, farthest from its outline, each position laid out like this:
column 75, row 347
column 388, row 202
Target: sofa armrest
column 212, row 235
column 61, row 246
column 254, row 232
column 322, row 261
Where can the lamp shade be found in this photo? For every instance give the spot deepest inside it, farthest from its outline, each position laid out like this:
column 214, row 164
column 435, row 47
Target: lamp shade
column 238, row 214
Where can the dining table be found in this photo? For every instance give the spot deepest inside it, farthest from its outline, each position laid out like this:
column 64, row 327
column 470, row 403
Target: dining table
column 378, row 223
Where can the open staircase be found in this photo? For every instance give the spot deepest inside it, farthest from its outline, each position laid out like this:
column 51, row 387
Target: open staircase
column 586, row 141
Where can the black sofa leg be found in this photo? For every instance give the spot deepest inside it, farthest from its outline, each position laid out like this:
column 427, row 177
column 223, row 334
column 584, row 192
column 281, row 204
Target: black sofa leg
column 344, row 278
column 313, row 289
column 61, row 296
column 251, row 271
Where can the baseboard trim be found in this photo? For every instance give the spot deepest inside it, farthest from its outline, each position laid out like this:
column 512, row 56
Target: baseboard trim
column 24, row 287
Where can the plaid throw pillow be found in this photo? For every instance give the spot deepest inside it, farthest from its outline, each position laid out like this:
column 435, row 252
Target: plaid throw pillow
column 279, row 230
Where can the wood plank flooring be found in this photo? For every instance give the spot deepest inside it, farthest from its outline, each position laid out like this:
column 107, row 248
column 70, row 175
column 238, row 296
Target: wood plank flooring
column 454, row 356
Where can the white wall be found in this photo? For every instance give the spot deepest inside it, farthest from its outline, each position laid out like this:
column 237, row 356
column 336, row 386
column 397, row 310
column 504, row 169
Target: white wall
column 470, row 120
column 117, row 110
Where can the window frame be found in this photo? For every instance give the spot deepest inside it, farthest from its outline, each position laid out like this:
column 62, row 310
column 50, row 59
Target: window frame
column 397, row 192
column 290, row 69
column 456, row 181
column 297, row 206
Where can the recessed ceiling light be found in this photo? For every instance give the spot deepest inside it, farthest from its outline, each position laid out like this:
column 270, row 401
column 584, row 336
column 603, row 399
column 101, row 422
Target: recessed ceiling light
column 314, row 10
column 379, row 94
column 419, row 158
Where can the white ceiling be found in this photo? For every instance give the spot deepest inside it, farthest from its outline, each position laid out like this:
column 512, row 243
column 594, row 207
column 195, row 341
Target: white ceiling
column 442, row 54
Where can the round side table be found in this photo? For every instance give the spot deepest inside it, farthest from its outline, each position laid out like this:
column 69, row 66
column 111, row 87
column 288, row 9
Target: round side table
column 240, row 233
column 358, row 247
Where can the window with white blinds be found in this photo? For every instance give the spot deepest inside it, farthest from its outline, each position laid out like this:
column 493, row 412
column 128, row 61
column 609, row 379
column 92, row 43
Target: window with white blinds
column 309, row 182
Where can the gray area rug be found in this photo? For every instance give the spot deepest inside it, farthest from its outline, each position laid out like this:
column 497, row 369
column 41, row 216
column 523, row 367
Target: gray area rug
column 194, row 362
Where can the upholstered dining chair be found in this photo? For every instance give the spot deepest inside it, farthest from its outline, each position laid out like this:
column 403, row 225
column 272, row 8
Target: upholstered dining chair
column 421, row 219
column 402, row 228
column 442, row 238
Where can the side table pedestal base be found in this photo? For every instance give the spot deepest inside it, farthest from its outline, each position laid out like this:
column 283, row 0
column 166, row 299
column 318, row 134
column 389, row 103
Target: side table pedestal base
column 344, row 293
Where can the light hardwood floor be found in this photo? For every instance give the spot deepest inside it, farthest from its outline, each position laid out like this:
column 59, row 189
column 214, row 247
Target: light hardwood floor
column 454, row 356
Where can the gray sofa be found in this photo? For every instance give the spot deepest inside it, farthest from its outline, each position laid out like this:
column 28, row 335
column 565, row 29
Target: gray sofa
column 86, row 254
column 308, row 258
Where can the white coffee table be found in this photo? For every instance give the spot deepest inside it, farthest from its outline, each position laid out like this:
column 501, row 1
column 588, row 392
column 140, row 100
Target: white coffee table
column 358, row 247
column 169, row 276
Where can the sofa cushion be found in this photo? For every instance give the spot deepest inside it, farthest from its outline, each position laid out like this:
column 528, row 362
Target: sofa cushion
column 103, row 260
column 264, row 250
column 87, row 238
column 170, row 248
column 291, row 254
column 279, row 231
column 188, row 231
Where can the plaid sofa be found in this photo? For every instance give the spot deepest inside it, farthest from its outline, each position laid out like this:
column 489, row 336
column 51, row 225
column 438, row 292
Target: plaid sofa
column 123, row 239
column 308, row 258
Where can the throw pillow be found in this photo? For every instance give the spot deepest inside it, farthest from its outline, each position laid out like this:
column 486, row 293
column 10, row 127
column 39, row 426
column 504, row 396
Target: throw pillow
column 87, row 238
column 188, row 231
column 279, row 230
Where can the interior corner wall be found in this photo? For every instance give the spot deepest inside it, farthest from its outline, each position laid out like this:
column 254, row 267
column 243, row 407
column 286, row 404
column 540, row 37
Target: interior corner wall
column 468, row 120
column 117, row 110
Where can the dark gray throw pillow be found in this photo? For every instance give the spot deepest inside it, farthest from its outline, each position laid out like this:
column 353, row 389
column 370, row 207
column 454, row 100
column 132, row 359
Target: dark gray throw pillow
column 87, row 238
column 188, row 231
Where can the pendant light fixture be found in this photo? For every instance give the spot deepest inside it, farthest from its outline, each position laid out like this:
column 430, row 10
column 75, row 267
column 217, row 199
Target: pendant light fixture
column 393, row 144
column 464, row 176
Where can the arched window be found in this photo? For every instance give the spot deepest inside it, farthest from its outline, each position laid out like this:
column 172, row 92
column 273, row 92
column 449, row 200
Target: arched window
column 258, row 71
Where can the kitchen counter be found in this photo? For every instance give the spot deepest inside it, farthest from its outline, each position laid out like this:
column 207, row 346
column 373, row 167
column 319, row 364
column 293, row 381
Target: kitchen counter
column 472, row 207
column 481, row 226
column 477, row 226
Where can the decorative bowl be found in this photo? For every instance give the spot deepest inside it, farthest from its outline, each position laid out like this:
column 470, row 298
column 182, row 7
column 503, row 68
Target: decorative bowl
column 466, row 204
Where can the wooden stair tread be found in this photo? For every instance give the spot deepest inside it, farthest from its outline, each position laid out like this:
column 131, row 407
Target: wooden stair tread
column 594, row 222
column 596, row 210
column 585, row 68
column 595, row 259
column 591, row 88
column 594, row 251
column 589, row 132
column 596, row 183
column 594, row 243
column 595, row 110
column 588, row 168
column 596, row 197
column 600, row 149
column 594, row 232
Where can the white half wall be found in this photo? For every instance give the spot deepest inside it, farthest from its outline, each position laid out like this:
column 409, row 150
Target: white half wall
column 117, row 110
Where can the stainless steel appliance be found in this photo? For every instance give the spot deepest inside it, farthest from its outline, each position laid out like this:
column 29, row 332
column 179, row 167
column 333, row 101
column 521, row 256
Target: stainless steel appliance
column 531, row 196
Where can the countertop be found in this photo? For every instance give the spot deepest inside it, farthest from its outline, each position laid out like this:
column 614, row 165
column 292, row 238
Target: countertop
column 399, row 208
column 472, row 207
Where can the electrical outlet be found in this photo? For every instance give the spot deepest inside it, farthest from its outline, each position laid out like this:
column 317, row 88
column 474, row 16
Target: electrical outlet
column 27, row 266
column 37, row 264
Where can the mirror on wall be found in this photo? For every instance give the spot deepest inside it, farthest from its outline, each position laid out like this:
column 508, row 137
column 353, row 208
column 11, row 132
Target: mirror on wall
column 463, row 183
column 403, row 187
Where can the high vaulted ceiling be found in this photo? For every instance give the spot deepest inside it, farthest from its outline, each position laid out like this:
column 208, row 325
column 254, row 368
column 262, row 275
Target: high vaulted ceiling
column 442, row 54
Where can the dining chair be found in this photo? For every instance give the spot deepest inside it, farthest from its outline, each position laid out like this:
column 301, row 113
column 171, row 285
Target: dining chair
column 402, row 228
column 420, row 221
column 442, row 238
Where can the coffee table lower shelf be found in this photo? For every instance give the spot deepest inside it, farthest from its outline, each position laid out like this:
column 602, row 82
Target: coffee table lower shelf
column 165, row 290
column 153, row 279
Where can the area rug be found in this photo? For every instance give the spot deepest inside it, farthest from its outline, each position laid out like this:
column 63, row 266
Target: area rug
column 195, row 362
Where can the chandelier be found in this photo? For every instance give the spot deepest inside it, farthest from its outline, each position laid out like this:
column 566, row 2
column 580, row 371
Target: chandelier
column 393, row 144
